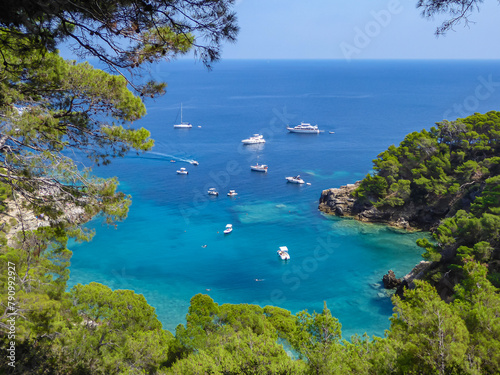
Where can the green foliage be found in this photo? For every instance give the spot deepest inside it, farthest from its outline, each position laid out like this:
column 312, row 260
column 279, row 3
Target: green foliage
column 134, row 32
column 431, row 250
column 431, row 167
column 429, row 336
column 372, row 188
column 233, row 339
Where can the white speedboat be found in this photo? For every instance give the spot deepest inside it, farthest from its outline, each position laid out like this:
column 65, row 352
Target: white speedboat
column 304, row 128
column 213, row 191
column 255, row 139
column 194, row 162
column 283, row 253
column 259, row 167
column 182, row 171
column 232, row 193
column 183, row 125
column 295, row 180
column 229, row 229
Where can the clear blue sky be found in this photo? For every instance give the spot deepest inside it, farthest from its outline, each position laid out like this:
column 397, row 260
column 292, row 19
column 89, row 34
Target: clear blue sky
column 358, row 29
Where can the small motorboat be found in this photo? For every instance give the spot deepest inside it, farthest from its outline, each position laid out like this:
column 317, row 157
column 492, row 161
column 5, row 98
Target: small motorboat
column 229, row 229
column 259, row 167
column 194, row 162
column 283, row 253
column 182, row 171
column 232, row 193
column 255, row 139
column 213, row 191
column 332, row 132
column 172, row 161
column 295, row 180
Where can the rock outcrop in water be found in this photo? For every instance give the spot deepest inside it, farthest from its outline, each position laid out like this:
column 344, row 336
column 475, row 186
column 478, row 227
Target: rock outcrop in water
column 390, row 281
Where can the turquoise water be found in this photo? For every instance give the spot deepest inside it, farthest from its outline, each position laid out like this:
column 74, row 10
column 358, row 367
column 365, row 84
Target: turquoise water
column 172, row 247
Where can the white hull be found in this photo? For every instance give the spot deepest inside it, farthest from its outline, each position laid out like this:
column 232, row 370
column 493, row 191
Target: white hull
column 252, row 142
column 283, row 255
column 259, row 168
column 183, row 125
column 303, row 131
column 255, row 140
column 295, row 180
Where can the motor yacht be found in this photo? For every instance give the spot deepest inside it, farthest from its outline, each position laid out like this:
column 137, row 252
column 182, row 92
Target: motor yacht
column 213, row 191
column 232, row 193
column 304, row 128
column 259, row 167
column 295, row 180
column 255, row 139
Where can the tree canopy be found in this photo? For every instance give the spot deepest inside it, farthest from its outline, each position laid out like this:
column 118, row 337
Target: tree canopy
column 459, row 11
column 122, row 33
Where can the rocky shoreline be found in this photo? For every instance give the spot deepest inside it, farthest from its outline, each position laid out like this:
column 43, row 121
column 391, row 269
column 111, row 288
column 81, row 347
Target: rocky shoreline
column 341, row 202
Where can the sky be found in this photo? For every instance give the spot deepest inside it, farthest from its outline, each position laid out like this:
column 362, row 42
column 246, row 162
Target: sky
column 358, row 29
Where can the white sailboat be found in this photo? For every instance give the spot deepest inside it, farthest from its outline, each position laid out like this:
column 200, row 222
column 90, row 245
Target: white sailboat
column 183, row 125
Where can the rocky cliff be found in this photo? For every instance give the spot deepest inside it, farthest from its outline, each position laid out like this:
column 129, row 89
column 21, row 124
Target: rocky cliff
column 341, row 202
column 412, row 216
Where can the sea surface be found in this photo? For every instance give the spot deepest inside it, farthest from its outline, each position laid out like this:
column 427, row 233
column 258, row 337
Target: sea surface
column 172, row 245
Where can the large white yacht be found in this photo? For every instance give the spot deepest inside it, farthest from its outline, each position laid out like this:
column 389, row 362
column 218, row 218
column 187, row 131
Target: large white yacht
column 185, row 125
column 253, row 140
column 304, row 128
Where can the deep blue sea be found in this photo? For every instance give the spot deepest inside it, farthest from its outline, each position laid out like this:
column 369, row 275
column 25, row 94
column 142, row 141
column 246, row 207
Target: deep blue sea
column 172, row 246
